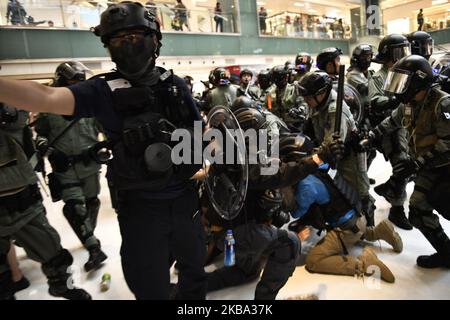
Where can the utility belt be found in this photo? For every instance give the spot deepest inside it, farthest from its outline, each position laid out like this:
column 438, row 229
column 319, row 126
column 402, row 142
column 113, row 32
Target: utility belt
column 61, row 162
column 22, row 200
column 346, row 222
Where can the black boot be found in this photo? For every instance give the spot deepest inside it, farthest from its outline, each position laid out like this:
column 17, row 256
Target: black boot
column 434, row 261
column 428, row 224
column 397, row 216
column 391, row 190
column 96, row 257
column 56, row 270
column 60, row 289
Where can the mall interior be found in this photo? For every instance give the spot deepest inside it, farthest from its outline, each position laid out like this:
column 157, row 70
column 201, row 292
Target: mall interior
column 255, row 34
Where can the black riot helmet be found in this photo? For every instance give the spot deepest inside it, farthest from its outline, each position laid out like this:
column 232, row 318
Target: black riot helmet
column 303, row 62
column 279, row 76
column 328, row 55
column 135, row 56
column 295, row 146
column 441, row 63
column 250, row 118
column 126, row 15
column 269, row 204
column 408, row 76
column 421, row 44
column 243, row 102
column 392, row 48
column 315, row 83
column 445, row 81
column 264, row 80
column 362, row 57
column 70, row 72
column 246, row 72
column 221, row 76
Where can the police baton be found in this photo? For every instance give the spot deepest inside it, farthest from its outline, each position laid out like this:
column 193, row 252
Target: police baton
column 35, row 157
column 339, row 101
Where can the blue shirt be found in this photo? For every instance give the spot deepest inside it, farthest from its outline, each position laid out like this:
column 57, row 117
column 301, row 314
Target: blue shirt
column 93, row 98
column 309, row 191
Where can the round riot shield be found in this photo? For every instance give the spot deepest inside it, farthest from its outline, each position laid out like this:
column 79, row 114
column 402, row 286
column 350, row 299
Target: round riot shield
column 353, row 99
column 226, row 163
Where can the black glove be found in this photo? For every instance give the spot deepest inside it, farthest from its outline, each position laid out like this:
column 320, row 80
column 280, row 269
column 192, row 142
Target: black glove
column 331, row 151
column 391, row 104
column 99, row 152
column 371, row 139
column 404, row 169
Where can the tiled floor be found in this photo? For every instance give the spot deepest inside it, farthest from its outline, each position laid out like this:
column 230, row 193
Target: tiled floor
column 411, row 281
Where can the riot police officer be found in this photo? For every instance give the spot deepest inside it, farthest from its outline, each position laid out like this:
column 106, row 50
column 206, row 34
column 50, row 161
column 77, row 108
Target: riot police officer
column 76, row 175
column 265, row 83
column 358, row 76
column 22, row 214
column 422, row 44
column 425, row 112
column 257, row 227
column 282, row 96
column 303, row 64
column 394, row 146
column 317, row 90
column 138, row 106
column 224, row 92
column 246, row 88
column 329, row 60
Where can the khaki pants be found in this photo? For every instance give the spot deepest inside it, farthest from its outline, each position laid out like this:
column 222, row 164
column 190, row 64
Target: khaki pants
column 328, row 256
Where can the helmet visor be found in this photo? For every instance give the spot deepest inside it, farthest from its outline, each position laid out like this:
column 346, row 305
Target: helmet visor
column 399, row 52
column 397, row 82
column 426, row 48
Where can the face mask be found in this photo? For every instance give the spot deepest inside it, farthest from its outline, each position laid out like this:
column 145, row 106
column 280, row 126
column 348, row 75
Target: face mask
column 134, row 59
column 364, row 64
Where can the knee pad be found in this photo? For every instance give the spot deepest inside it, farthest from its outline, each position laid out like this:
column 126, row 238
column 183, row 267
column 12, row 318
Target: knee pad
column 93, row 203
column 74, row 210
column 423, row 219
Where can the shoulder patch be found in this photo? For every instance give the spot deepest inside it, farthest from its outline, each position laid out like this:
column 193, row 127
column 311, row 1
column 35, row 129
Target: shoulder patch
column 445, row 108
column 118, row 84
column 332, row 107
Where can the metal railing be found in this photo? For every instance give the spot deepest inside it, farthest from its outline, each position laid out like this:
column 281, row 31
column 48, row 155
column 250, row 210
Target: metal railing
column 293, row 24
column 70, row 14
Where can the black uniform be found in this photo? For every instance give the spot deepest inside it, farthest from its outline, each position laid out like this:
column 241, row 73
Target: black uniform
column 138, row 107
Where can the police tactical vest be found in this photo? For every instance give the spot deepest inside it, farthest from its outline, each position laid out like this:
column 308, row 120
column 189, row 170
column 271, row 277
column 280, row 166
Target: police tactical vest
column 15, row 171
column 422, row 128
column 282, row 103
column 150, row 114
column 223, row 96
column 322, row 217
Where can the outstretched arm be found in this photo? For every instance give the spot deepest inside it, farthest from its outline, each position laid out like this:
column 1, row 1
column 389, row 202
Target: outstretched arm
column 35, row 97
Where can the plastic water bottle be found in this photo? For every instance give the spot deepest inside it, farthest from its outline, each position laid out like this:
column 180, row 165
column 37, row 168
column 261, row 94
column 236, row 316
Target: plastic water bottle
column 229, row 257
column 106, row 282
